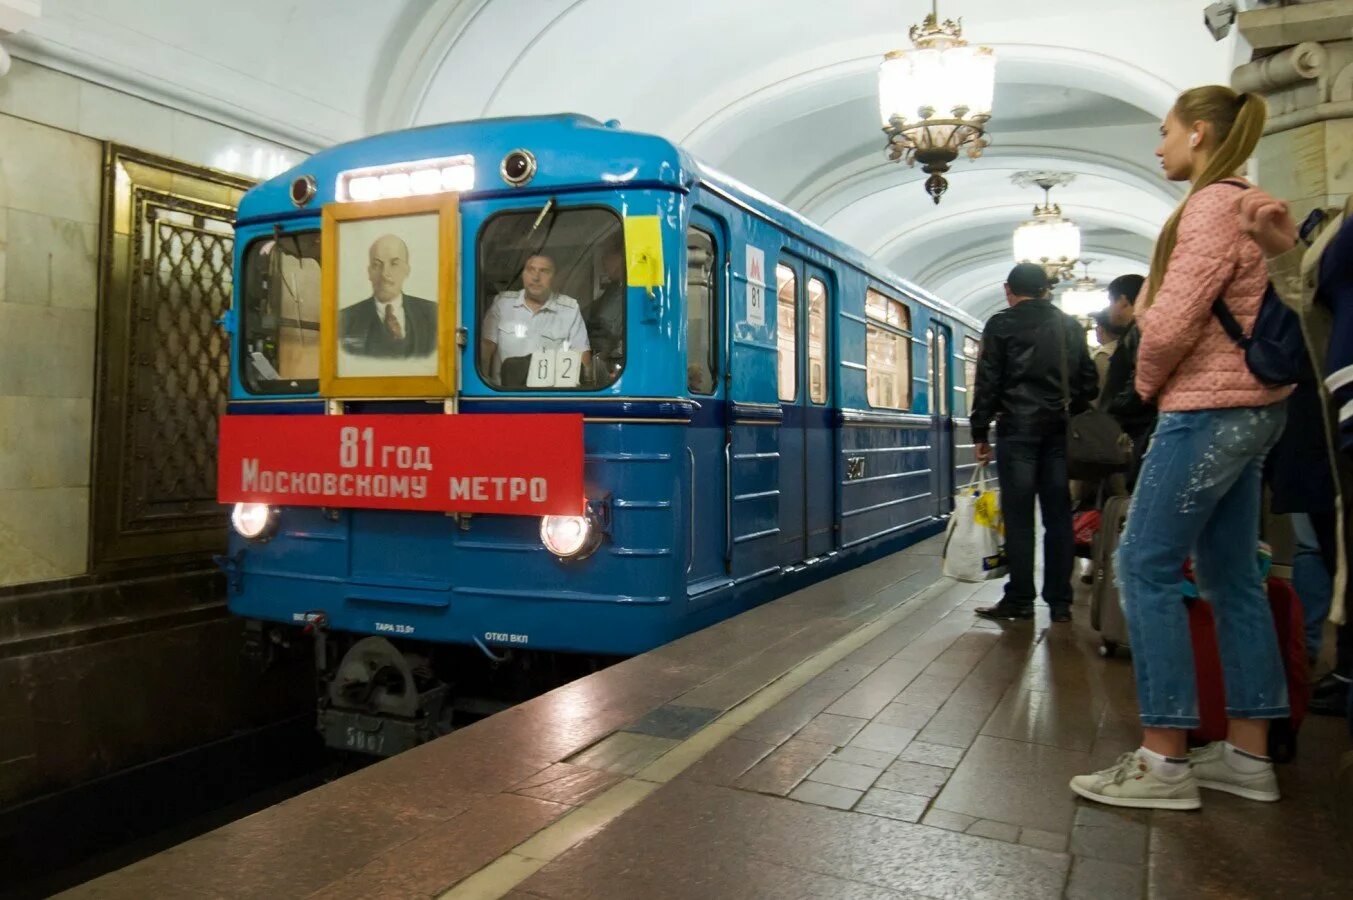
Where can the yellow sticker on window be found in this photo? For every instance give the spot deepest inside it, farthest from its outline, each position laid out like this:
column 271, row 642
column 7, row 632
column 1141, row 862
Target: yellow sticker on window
column 643, row 251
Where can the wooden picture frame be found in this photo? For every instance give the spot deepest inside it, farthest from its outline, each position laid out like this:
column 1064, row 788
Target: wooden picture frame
column 348, row 372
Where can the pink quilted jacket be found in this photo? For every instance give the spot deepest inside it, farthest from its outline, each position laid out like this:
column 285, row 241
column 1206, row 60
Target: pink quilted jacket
column 1186, row 361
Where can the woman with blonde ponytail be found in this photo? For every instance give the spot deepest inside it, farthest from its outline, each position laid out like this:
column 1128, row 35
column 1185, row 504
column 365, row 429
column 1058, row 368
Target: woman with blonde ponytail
column 1198, row 493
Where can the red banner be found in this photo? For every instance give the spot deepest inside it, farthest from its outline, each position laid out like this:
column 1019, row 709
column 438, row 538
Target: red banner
column 523, row 465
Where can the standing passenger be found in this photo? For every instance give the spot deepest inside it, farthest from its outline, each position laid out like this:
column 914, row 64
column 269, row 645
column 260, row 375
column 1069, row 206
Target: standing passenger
column 1119, row 397
column 1315, row 297
column 1198, row 491
column 1107, row 337
column 1033, row 356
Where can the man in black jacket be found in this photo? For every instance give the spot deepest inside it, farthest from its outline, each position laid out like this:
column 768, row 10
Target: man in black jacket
column 1119, row 398
column 1034, row 370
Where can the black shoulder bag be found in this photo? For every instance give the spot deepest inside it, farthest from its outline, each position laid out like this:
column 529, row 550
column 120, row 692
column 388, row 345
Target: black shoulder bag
column 1095, row 444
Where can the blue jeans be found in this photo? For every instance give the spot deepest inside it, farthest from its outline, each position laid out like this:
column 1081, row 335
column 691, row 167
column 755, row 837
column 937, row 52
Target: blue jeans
column 1199, row 493
column 1311, row 580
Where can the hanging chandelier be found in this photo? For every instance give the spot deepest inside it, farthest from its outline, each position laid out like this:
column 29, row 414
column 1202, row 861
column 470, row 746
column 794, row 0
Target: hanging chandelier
column 1049, row 238
column 1084, row 296
column 935, row 99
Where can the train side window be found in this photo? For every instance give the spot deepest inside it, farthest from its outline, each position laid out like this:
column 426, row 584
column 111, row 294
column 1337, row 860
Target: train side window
column 787, row 331
column 888, row 351
column 942, row 388
column 971, row 348
column 701, row 316
column 817, row 340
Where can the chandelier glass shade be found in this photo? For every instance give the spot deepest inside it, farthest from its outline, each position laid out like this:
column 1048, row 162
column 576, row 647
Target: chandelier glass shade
column 935, row 99
column 1083, row 298
column 1049, row 239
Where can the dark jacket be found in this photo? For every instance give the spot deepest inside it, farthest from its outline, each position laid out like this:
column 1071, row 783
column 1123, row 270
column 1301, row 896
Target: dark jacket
column 1119, row 398
column 1020, row 375
column 362, row 332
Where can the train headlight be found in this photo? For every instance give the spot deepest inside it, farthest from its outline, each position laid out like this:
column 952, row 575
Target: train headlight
column 254, row 521
column 570, row 537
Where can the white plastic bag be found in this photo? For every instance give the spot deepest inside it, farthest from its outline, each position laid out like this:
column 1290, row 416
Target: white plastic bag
column 974, row 547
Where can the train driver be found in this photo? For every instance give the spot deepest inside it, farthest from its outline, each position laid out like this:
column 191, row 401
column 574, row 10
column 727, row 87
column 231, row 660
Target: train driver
column 533, row 319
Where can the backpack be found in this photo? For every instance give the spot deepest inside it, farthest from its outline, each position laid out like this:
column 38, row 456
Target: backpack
column 1275, row 351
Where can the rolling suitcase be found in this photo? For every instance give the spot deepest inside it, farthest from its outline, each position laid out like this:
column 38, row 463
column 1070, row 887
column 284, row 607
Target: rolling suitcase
column 1106, row 613
column 1289, row 622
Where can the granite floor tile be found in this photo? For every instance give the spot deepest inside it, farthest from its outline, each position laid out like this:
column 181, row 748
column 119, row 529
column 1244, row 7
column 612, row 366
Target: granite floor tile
column 949, row 821
column 719, row 828
column 439, row 857
column 892, row 805
column 783, row 769
column 928, row 691
column 826, row 728
column 913, row 778
column 955, row 726
column 885, row 738
column 844, row 774
column 1203, row 855
column 742, row 678
column 905, row 715
column 1096, row 879
column 1015, row 782
column 877, row 759
column 782, row 721
column 1043, row 840
column 1063, row 718
column 623, row 752
column 566, row 783
column 727, row 762
column 1113, row 835
column 825, row 795
column 997, row 831
column 672, row 721
column 694, row 870
column 931, row 754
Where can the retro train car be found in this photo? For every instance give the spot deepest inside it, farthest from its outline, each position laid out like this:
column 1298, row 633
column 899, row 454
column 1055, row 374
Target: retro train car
column 727, row 402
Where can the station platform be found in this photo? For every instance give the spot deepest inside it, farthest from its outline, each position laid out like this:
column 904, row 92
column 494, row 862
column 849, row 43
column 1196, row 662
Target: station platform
column 867, row 737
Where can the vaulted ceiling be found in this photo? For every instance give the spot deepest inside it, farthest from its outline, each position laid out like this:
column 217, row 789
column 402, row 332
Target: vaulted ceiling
column 778, row 93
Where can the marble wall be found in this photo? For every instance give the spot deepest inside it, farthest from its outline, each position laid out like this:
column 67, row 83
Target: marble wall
column 51, row 126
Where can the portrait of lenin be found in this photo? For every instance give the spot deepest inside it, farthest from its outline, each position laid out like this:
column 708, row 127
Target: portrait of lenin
column 389, row 323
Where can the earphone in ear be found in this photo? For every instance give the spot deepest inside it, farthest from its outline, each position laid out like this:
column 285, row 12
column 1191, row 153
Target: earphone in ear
column 1194, row 140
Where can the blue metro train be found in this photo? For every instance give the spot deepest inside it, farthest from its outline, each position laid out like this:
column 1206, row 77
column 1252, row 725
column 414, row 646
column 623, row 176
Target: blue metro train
column 762, row 406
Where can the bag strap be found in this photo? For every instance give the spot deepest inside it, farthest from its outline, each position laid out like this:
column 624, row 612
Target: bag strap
column 979, row 477
column 1219, row 308
column 1061, row 346
column 1229, row 324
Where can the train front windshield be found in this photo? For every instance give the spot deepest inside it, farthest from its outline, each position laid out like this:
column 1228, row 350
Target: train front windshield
column 549, row 304
column 551, row 299
column 281, row 300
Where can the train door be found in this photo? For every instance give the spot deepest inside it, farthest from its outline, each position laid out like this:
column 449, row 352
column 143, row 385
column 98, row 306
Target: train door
column 941, row 411
column 792, row 393
column 819, row 432
column 707, row 488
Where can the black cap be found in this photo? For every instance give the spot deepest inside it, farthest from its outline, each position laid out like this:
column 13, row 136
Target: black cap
column 1028, row 280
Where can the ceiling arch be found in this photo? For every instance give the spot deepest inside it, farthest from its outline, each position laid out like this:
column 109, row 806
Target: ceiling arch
column 778, row 93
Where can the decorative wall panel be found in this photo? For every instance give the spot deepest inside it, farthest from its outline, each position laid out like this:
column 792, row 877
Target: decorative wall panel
column 167, row 245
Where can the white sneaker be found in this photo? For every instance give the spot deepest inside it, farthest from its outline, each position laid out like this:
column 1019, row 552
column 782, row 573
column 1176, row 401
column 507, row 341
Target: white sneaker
column 1131, row 782
column 1212, row 770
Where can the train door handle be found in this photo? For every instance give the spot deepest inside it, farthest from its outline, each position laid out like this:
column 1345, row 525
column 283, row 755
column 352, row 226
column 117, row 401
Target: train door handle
column 728, row 503
column 690, row 546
